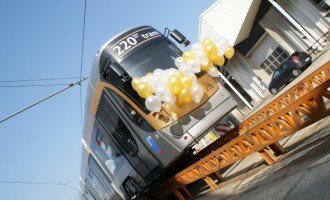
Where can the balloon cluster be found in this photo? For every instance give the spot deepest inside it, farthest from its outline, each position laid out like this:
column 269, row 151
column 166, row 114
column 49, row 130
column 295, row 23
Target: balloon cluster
column 179, row 86
column 203, row 56
column 171, row 86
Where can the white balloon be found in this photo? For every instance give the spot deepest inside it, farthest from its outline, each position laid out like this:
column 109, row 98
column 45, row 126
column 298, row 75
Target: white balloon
column 156, row 78
column 179, row 62
column 153, row 103
column 172, row 100
column 192, row 76
column 164, row 77
column 222, row 44
column 197, row 47
column 172, row 72
column 213, row 71
column 221, row 52
column 186, row 69
column 196, row 93
column 194, row 65
column 203, row 60
column 145, row 79
column 158, row 72
column 163, row 92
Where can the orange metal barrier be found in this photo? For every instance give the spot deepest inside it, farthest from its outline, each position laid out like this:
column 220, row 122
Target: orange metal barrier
column 300, row 106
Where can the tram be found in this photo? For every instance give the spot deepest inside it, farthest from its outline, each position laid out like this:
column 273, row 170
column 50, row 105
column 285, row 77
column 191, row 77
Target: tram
column 129, row 143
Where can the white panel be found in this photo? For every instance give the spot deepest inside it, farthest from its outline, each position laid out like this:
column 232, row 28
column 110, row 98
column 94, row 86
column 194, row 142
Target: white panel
column 264, row 48
column 229, row 19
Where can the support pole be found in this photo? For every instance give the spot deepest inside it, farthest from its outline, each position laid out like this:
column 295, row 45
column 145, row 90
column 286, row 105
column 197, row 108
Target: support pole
column 178, row 195
column 234, row 89
column 266, row 157
column 293, row 22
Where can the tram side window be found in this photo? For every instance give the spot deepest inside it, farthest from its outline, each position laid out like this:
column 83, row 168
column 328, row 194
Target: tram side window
column 116, row 127
column 98, row 187
column 131, row 112
column 108, row 153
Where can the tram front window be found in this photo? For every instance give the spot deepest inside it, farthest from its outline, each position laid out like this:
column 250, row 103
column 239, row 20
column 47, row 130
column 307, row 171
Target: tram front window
column 157, row 55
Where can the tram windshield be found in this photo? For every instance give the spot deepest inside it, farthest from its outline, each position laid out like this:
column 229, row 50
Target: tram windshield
column 156, row 55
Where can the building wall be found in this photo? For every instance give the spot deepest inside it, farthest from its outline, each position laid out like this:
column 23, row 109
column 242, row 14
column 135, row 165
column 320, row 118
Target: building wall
column 249, row 70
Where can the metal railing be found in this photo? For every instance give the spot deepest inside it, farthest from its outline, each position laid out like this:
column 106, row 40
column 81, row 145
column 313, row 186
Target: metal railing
column 300, row 106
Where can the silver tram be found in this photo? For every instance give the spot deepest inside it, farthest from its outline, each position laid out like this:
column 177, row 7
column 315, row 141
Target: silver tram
column 131, row 145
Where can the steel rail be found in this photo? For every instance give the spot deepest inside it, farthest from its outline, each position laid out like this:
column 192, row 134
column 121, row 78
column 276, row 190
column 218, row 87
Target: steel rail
column 297, row 108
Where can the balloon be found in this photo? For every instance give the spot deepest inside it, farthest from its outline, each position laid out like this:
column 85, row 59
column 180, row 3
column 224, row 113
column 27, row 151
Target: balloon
column 180, row 74
column 213, row 72
column 172, row 71
column 144, row 90
column 210, row 50
column 186, row 69
column 219, row 61
column 207, row 67
column 194, row 65
column 192, row 76
column 222, row 45
column 163, row 92
column 174, row 84
column 135, row 82
column 153, row 103
column 186, row 81
column 188, row 55
column 206, row 41
column 172, row 100
column 145, row 79
column 197, row 47
column 184, row 96
column 229, row 52
column 197, row 93
column 158, row 72
column 179, row 62
column 203, row 60
column 149, row 75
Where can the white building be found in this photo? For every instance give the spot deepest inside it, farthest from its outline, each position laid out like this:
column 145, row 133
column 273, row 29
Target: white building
column 264, row 33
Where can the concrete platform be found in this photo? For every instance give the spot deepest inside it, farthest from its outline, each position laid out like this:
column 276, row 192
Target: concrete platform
column 302, row 173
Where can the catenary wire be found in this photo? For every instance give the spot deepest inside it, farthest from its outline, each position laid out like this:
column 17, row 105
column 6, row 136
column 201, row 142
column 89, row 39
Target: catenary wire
column 66, row 184
column 40, row 79
column 42, row 100
column 81, row 61
column 33, row 85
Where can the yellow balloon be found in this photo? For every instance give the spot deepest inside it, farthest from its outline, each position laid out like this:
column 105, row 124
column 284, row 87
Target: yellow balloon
column 135, row 82
column 175, row 85
column 208, row 66
column 185, row 96
column 144, row 90
column 210, row 49
column 207, row 41
column 149, row 75
column 188, row 55
column 219, row 61
column 186, row 81
column 180, row 74
column 229, row 52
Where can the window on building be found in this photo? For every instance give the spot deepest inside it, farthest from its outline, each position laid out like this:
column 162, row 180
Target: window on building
column 274, row 60
column 323, row 5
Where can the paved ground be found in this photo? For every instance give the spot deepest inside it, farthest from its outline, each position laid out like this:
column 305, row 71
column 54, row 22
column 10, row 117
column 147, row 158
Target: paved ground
column 302, row 173
column 317, row 63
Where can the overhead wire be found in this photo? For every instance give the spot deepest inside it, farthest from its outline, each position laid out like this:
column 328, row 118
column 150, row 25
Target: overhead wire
column 42, row 100
column 33, row 85
column 39, row 79
column 81, row 60
column 66, row 184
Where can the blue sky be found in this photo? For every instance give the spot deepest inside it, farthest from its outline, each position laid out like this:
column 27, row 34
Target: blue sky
column 42, row 39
